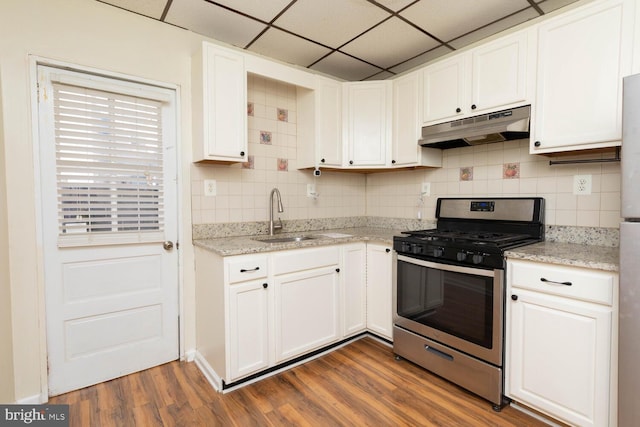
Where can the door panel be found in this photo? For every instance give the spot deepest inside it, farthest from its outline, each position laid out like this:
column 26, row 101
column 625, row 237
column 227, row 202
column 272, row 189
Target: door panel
column 108, row 202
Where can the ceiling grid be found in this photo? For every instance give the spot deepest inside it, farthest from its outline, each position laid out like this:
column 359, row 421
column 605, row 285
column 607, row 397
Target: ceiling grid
column 349, row 39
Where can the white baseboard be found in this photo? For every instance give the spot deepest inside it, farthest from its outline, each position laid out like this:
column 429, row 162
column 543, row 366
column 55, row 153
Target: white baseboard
column 36, row 399
column 208, row 372
column 189, row 356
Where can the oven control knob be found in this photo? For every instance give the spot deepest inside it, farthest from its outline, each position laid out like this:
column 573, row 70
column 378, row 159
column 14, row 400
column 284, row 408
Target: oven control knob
column 461, row 256
column 416, row 249
column 406, row 247
column 438, row 252
column 477, row 258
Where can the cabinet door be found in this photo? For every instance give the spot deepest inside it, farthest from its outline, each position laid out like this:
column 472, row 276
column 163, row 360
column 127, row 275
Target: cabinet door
column 353, row 286
column 499, row 73
column 582, row 57
column 445, row 93
column 368, row 123
column 248, row 331
column 329, row 122
column 306, row 311
column 559, row 356
column 224, row 105
column 379, row 290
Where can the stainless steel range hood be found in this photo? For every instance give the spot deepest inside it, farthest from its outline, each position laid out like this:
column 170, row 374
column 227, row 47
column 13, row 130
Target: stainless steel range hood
column 483, row 129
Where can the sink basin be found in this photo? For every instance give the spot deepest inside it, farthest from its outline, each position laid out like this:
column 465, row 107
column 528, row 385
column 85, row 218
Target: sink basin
column 284, row 239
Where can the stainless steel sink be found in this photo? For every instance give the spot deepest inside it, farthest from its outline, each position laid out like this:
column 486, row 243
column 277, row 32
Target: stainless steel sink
column 284, row 239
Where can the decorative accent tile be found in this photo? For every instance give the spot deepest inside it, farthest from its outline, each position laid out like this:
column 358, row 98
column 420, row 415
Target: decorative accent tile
column 283, row 115
column 283, row 165
column 249, row 108
column 511, row 171
column 466, row 173
column 265, row 137
column 250, row 163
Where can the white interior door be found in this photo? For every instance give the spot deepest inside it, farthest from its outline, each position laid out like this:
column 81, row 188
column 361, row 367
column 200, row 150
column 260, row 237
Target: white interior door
column 108, row 185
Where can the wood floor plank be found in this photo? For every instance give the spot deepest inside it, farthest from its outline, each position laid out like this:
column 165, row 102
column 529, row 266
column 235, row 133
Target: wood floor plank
column 361, row 384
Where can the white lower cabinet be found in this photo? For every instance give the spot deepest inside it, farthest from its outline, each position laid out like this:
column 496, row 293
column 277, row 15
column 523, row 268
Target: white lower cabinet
column 353, row 284
column 256, row 311
column 379, row 290
column 249, row 311
column 306, row 300
column 561, row 341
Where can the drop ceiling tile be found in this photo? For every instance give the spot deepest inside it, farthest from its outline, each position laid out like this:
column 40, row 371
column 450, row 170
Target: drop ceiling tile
column 447, row 20
column 395, row 5
column 390, row 43
column 285, row 47
column 151, row 8
column 265, row 10
column 494, row 28
column 330, row 22
column 383, row 75
column 213, row 21
column 551, row 5
column 345, row 67
column 422, row 59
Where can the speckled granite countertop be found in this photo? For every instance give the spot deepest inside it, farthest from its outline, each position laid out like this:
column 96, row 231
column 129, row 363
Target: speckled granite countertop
column 240, row 245
column 571, row 254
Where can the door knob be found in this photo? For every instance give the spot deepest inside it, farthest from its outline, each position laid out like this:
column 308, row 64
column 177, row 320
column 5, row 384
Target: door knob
column 168, row 245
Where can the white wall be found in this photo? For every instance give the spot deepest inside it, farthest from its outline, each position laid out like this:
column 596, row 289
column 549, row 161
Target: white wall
column 6, row 348
column 90, row 34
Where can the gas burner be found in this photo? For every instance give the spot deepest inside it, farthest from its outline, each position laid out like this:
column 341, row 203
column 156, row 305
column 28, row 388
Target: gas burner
column 468, row 235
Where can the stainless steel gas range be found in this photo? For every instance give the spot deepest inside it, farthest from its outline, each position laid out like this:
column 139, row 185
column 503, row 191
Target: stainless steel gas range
column 449, row 288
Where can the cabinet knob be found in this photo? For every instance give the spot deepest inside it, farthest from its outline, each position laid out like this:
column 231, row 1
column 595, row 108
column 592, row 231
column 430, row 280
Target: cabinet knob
column 393, row 162
column 350, row 162
column 458, row 110
column 321, row 160
column 387, row 250
column 473, row 106
column 242, row 154
column 265, row 285
column 514, row 297
column 337, row 270
column 537, row 143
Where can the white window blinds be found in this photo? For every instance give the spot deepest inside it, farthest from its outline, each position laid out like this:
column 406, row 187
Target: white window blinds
column 109, row 166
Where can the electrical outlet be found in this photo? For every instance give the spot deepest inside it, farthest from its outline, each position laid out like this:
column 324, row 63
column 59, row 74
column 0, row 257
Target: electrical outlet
column 426, row 188
column 582, row 185
column 209, row 187
column 311, row 190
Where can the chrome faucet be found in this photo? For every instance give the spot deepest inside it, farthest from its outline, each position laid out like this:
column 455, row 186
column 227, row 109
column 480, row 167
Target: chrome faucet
column 273, row 227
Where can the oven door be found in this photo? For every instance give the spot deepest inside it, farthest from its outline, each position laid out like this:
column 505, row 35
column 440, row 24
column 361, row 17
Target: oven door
column 461, row 307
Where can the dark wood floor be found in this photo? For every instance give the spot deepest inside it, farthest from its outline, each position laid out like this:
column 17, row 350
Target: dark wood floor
column 358, row 385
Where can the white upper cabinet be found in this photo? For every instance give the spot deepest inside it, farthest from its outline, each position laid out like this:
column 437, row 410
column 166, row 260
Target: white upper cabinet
column 445, row 89
column 582, row 57
column 322, row 109
column 488, row 78
column 219, row 105
column 406, row 125
column 367, row 130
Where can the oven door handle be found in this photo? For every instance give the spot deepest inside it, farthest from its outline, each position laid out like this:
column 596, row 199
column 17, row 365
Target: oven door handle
column 439, row 353
column 447, row 267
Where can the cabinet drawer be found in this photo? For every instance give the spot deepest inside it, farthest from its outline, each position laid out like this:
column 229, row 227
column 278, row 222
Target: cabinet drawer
column 587, row 285
column 247, row 268
column 304, row 259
